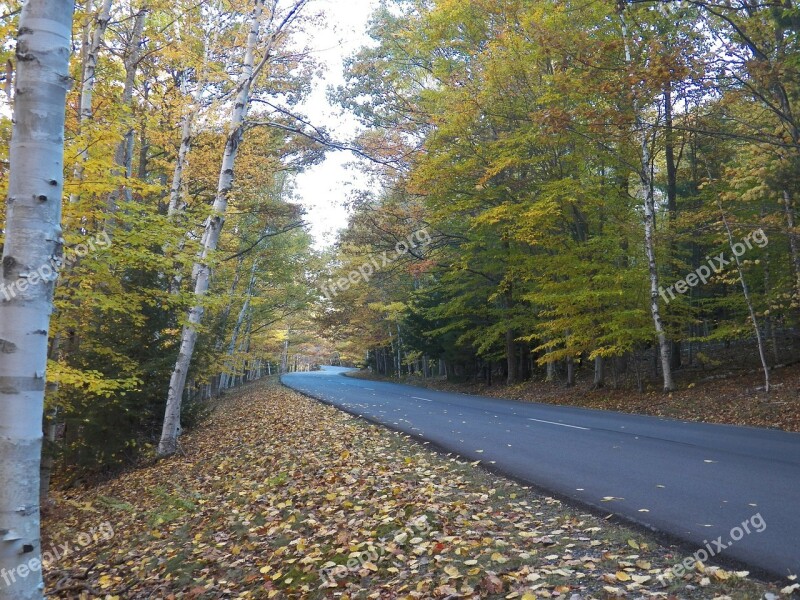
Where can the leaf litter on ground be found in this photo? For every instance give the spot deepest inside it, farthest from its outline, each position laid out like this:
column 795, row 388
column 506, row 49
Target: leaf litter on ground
column 279, row 496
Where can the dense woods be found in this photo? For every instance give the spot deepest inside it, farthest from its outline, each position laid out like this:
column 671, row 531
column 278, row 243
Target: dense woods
column 609, row 190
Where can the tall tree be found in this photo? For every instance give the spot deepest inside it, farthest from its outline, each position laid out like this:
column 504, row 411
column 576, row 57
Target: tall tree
column 88, row 78
column 202, row 271
column 33, row 242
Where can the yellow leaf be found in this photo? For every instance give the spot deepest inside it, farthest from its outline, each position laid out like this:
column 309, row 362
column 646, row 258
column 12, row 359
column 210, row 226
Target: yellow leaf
column 452, row 571
column 611, row 590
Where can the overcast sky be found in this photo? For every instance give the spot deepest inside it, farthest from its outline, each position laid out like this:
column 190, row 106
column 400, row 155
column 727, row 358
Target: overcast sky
column 324, row 188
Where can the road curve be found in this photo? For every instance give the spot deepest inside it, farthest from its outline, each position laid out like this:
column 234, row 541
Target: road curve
column 703, row 484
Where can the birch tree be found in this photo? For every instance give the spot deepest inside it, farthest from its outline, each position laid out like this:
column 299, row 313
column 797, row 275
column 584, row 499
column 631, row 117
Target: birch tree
column 123, row 156
column 85, row 111
column 648, row 191
column 33, row 241
column 202, row 271
column 227, row 377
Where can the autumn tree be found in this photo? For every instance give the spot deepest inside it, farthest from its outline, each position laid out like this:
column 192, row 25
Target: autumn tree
column 31, row 252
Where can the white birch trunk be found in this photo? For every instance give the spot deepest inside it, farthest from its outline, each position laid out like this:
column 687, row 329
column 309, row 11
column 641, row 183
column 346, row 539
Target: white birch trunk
column 87, row 84
column 123, row 155
column 284, row 368
column 176, row 205
column 649, row 231
column 244, row 348
column 599, row 372
column 649, row 244
column 33, row 240
column 226, row 377
column 551, row 371
column 746, row 292
column 169, row 434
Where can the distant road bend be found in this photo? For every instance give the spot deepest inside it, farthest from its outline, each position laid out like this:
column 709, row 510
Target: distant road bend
column 694, row 481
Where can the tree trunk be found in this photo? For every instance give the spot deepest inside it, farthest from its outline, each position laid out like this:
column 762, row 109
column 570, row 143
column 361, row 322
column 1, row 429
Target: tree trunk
column 551, row 371
column 570, row 371
column 124, row 152
column 50, row 426
column 511, row 357
column 239, row 321
column 747, row 298
column 650, row 249
column 599, row 372
column 769, row 329
column 672, row 201
column 285, row 354
column 649, row 232
column 33, row 238
column 176, row 203
column 794, row 246
column 244, row 346
column 525, row 361
column 399, row 352
column 85, row 111
column 169, row 434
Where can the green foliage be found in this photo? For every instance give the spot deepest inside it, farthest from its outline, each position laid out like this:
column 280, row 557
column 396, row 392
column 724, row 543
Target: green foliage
column 522, row 152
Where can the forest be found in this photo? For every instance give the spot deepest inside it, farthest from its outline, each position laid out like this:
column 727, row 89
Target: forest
column 606, row 188
column 598, row 193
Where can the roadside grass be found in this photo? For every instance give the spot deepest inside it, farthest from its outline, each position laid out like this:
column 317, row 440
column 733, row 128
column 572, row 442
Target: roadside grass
column 279, row 496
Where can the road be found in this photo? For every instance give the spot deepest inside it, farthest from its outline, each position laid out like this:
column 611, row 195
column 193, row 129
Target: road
column 696, row 482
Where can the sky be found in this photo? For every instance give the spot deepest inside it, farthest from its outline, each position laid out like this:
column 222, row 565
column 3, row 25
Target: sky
column 324, row 189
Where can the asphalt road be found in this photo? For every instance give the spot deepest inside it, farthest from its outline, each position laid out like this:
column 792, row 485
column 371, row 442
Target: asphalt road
column 693, row 481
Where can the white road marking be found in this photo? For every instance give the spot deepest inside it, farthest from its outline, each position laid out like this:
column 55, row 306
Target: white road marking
column 559, row 424
column 418, row 398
